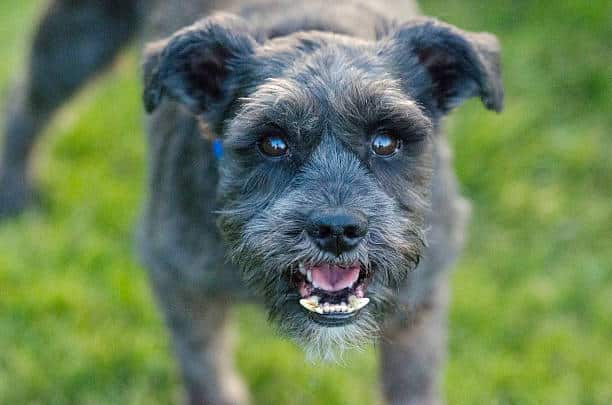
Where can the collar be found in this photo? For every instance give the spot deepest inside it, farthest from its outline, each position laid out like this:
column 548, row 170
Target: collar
column 217, row 148
column 216, row 143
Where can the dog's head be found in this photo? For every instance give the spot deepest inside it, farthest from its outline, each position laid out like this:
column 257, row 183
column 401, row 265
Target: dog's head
column 328, row 155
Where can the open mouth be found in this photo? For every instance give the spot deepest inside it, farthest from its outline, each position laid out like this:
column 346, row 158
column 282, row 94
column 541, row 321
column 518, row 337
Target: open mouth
column 332, row 294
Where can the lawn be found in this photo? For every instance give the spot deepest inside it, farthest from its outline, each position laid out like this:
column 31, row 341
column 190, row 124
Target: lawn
column 531, row 317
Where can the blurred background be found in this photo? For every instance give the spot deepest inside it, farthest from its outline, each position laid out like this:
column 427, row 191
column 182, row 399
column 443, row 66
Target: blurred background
column 531, row 314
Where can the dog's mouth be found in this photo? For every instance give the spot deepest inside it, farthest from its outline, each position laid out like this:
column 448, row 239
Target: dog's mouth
column 332, row 294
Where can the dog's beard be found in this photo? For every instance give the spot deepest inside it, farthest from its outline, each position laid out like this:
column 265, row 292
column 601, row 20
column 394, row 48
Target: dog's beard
column 326, row 343
column 270, row 244
column 267, row 271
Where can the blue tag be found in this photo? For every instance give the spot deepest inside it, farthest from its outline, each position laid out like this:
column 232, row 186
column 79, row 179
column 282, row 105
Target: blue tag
column 217, row 148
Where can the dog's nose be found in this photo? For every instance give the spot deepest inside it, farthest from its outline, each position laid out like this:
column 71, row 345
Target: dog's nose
column 337, row 230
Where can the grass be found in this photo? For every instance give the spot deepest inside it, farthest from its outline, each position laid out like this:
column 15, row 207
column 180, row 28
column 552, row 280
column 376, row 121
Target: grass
column 532, row 297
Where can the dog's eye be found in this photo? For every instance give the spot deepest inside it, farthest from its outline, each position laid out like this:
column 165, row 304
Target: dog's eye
column 385, row 144
column 273, row 146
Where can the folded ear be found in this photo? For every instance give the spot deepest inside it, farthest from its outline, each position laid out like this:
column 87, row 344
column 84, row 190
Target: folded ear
column 443, row 65
column 198, row 66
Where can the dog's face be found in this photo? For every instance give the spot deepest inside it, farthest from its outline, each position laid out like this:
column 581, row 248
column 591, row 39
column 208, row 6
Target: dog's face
column 328, row 149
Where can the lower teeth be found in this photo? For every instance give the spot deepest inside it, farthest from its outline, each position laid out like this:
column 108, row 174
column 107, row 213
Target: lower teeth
column 354, row 304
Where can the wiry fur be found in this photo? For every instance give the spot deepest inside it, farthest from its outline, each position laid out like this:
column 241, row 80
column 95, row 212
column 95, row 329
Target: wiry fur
column 267, row 204
column 328, row 75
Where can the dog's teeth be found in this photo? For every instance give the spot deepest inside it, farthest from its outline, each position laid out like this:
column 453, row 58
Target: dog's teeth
column 313, row 300
column 309, row 276
column 311, row 303
column 302, row 268
column 357, row 303
column 306, row 304
column 361, row 302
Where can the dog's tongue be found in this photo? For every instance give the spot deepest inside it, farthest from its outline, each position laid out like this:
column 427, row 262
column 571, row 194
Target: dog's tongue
column 334, row 278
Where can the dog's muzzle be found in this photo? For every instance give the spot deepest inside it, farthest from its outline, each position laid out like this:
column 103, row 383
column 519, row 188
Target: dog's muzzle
column 331, row 294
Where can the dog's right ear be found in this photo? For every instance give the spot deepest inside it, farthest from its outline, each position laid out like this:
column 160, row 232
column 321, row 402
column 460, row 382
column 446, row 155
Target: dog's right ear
column 198, row 65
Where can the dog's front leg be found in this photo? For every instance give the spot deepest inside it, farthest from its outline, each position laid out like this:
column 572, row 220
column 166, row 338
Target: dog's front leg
column 202, row 342
column 413, row 348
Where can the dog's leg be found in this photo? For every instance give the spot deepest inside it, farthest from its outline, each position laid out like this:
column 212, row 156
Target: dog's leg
column 412, row 351
column 74, row 40
column 202, row 342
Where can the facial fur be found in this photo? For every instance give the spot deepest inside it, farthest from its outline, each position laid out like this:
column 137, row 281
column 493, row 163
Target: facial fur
column 327, row 96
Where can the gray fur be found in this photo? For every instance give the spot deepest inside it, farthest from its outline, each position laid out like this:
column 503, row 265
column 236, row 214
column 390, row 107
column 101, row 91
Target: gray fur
column 328, row 75
column 88, row 31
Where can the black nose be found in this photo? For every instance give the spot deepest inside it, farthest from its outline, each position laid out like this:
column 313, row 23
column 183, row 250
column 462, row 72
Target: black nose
column 337, row 230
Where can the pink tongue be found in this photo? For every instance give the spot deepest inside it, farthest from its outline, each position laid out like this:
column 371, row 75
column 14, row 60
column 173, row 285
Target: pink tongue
column 334, row 278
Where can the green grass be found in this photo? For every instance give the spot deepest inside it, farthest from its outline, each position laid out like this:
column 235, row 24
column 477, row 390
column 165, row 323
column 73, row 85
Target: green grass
column 531, row 316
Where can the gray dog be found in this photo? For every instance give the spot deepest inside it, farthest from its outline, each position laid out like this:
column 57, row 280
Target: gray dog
column 332, row 194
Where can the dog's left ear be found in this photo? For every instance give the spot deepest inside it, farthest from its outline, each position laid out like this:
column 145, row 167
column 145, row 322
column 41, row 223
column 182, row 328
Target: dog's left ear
column 198, row 66
column 442, row 65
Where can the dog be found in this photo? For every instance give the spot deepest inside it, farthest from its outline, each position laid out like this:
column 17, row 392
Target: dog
column 296, row 159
